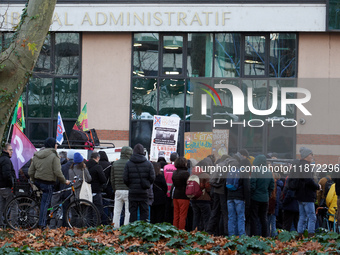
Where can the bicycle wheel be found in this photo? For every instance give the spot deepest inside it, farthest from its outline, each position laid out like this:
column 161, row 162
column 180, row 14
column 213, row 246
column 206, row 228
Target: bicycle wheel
column 22, row 213
column 108, row 214
column 82, row 213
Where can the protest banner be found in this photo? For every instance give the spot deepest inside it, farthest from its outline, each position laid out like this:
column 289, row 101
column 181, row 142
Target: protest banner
column 164, row 137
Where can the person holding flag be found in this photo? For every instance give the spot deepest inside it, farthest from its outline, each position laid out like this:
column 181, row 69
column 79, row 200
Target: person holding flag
column 60, row 130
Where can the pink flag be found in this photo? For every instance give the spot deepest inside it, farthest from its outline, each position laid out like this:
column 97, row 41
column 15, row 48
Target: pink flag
column 23, row 149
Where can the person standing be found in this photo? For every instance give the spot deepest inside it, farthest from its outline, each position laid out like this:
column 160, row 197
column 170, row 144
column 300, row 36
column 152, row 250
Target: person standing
column 168, row 172
column 138, row 176
column 78, row 169
column 180, row 200
column 159, row 190
column 6, row 179
column 106, row 165
column 120, row 189
column 238, row 200
column 98, row 180
column 43, row 171
column 261, row 187
column 306, row 193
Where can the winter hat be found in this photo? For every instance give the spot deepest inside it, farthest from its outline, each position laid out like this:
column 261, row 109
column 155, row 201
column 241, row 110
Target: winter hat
column 138, row 149
column 244, row 153
column 70, row 154
column 305, row 152
column 50, row 142
column 78, row 158
column 193, row 162
column 260, row 160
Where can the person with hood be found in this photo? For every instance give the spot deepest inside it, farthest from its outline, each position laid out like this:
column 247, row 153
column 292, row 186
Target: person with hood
column 98, row 180
column 6, row 179
column 181, row 201
column 306, row 193
column 261, row 187
column 44, row 170
column 201, row 207
column 160, row 188
column 106, row 165
column 138, row 176
column 290, row 207
column 120, row 189
column 331, row 203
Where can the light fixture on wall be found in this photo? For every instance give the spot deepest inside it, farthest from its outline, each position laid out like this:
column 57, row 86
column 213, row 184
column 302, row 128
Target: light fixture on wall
column 302, row 121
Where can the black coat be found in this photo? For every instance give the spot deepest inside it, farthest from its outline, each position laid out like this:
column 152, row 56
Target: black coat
column 159, row 190
column 106, row 165
column 97, row 174
column 307, row 187
column 179, row 179
column 136, row 168
column 6, row 171
column 289, row 202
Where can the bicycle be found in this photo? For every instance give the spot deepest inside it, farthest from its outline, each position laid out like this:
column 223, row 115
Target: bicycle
column 326, row 223
column 108, row 207
column 22, row 212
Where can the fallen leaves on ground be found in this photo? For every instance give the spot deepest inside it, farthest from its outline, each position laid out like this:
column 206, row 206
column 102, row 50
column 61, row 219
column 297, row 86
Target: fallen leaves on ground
column 108, row 240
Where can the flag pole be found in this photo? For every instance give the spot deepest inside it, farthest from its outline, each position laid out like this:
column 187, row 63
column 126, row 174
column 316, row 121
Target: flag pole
column 68, row 142
column 9, row 132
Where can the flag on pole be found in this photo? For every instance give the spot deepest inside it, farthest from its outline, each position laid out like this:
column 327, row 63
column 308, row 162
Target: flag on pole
column 60, row 130
column 23, row 149
column 18, row 116
column 81, row 123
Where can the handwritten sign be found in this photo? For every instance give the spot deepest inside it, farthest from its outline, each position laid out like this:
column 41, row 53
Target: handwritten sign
column 198, row 145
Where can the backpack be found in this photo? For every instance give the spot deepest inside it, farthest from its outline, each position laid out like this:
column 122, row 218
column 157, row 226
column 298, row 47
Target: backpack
column 233, row 180
column 217, row 180
column 193, row 189
column 328, row 185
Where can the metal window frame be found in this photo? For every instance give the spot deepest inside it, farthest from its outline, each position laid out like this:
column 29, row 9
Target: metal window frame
column 184, row 123
column 52, row 74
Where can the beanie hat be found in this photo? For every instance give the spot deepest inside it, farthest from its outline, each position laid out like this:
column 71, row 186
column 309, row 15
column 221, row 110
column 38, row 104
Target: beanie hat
column 70, row 154
column 305, row 152
column 78, row 158
column 50, row 142
column 138, row 149
column 244, row 153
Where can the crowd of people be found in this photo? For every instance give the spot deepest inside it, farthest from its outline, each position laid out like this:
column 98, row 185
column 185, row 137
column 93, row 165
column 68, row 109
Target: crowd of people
column 186, row 193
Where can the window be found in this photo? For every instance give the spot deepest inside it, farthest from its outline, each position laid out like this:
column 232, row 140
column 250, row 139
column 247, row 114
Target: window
column 190, row 67
column 54, row 87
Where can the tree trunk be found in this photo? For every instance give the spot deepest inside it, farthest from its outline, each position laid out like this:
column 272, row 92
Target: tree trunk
column 18, row 61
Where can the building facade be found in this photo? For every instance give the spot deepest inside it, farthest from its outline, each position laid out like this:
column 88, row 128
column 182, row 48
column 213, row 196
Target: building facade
column 132, row 60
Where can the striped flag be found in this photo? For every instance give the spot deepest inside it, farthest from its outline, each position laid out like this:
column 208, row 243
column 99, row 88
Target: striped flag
column 81, row 123
column 18, row 116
